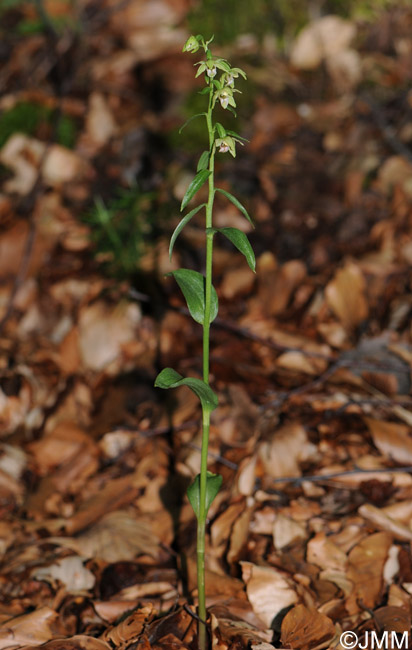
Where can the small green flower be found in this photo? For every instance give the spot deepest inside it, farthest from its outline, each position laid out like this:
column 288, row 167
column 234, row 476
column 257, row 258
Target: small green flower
column 226, row 144
column 211, row 66
column 229, row 77
column 225, row 96
column 191, row 45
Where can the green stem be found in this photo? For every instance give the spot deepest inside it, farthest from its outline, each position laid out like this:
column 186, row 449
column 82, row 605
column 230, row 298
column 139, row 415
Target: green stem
column 201, row 526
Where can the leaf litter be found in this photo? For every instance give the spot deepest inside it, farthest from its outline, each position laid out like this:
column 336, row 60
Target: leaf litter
column 310, row 535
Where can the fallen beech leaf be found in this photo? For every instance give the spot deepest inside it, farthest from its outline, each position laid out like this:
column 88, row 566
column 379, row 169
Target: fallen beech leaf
column 118, row 536
column 392, row 618
column 289, row 447
column 392, row 566
column 222, row 526
column 60, row 446
column 77, row 642
column 268, row 590
column 228, row 626
column 23, row 156
column 70, row 571
column 289, row 277
column 300, row 362
column 392, row 439
column 103, row 332
column 131, row 627
column 116, row 493
column 324, row 553
column 63, row 166
column 303, row 627
column 32, row 629
column 384, row 522
column 365, row 569
column 401, row 511
column 395, row 170
column 100, row 123
column 239, row 535
column 322, row 38
column 345, row 294
column 286, row 530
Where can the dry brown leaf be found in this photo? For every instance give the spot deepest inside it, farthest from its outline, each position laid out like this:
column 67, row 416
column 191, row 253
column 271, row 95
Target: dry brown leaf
column 269, row 590
column 222, row 526
column 59, row 446
column 116, row 493
column 239, row 535
column 401, row 511
column 382, row 521
column 392, row 566
column 131, row 627
column 104, row 331
column 392, row 439
column 23, row 156
column 77, row 642
column 300, row 362
column 237, row 282
column 118, row 536
column 283, row 284
column 345, row 294
column 392, row 618
column 100, row 122
column 69, row 352
column 365, row 570
column 395, row 170
column 12, row 243
column 322, row 38
column 286, row 530
column 226, row 626
column 63, row 166
column 70, row 571
column 303, row 627
column 29, row 629
column 322, row 551
column 289, row 447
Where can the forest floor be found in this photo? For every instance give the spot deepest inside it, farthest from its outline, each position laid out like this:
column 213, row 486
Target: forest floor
column 311, row 533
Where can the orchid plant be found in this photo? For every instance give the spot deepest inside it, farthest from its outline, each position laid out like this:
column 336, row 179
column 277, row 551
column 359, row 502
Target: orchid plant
column 198, row 290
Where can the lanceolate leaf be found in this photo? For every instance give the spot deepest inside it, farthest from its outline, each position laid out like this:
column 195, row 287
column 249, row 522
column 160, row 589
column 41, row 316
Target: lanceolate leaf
column 182, row 224
column 169, row 378
column 193, row 117
column 221, row 131
column 237, row 203
column 192, row 285
column 237, row 136
column 213, row 483
column 194, row 187
column 239, row 239
column 203, row 161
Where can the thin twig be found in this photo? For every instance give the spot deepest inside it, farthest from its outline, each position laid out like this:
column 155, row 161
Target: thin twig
column 387, row 130
column 327, row 477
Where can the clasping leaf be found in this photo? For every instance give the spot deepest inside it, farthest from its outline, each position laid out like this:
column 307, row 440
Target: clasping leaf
column 237, row 203
column 239, row 239
column 192, row 285
column 181, row 225
column 169, row 378
column 213, row 483
column 194, row 187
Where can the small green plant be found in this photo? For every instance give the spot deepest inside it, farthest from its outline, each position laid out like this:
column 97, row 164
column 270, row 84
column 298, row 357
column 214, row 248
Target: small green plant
column 198, row 290
column 120, row 229
column 29, row 117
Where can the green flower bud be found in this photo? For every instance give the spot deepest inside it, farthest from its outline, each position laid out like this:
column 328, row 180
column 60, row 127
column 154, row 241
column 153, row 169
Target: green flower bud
column 191, row 45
